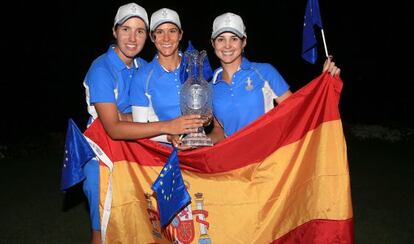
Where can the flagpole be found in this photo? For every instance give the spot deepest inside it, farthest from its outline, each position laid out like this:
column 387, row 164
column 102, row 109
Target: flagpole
column 324, row 43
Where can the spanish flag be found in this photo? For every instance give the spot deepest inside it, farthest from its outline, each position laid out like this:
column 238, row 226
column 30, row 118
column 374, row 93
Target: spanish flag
column 282, row 179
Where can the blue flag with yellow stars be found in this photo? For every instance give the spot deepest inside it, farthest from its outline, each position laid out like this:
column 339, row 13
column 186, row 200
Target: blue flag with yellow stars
column 312, row 19
column 77, row 153
column 172, row 195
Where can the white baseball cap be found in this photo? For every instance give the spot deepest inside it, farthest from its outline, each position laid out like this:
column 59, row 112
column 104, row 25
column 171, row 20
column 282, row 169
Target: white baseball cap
column 130, row 10
column 162, row 16
column 228, row 22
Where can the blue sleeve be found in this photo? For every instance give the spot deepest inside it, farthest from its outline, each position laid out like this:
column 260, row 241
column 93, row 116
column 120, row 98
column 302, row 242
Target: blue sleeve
column 138, row 87
column 101, row 86
column 275, row 79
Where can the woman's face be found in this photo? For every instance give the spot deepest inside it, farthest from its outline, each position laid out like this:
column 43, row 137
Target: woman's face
column 130, row 38
column 166, row 38
column 228, row 47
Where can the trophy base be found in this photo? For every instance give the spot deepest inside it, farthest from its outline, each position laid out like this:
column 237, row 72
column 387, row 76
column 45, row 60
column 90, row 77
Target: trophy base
column 198, row 139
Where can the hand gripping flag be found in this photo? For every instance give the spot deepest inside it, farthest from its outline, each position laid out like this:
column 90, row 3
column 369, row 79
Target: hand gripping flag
column 77, row 153
column 172, row 195
column 312, row 18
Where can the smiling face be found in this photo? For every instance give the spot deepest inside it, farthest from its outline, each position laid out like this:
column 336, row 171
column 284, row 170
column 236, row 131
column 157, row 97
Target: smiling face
column 166, row 38
column 130, row 39
column 228, row 47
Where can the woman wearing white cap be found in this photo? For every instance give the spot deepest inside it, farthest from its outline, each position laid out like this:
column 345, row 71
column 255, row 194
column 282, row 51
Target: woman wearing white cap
column 155, row 89
column 107, row 94
column 242, row 90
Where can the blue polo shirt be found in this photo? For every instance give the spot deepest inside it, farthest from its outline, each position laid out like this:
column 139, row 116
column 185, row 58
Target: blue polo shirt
column 238, row 104
column 163, row 86
column 108, row 81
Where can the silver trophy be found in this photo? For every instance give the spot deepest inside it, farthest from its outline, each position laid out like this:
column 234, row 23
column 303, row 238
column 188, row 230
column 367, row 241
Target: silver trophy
column 195, row 97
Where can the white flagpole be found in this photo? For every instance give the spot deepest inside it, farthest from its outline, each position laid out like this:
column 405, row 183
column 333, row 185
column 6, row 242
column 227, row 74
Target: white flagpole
column 324, row 43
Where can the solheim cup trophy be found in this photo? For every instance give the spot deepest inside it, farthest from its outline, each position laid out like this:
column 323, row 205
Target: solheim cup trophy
column 195, row 97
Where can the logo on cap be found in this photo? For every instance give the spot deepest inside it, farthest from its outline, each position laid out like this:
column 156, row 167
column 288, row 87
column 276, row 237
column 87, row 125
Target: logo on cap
column 227, row 20
column 133, row 9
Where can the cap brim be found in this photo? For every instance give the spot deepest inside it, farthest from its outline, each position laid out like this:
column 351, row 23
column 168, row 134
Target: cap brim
column 163, row 22
column 125, row 18
column 227, row 29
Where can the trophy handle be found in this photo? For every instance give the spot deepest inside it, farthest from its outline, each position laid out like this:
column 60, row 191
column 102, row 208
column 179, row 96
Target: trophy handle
column 201, row 56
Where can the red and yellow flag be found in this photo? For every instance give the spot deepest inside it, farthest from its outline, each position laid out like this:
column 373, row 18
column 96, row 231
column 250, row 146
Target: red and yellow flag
column 282, row 179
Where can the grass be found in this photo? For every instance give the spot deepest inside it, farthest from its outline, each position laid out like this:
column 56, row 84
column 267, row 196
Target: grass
column 382, row 190
column 33, row 210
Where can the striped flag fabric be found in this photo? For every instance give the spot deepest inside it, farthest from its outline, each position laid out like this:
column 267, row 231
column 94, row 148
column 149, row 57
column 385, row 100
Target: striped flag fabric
column 282, row 179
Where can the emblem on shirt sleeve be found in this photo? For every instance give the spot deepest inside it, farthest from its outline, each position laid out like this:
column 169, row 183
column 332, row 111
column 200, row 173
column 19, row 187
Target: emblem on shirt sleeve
column 249, row 84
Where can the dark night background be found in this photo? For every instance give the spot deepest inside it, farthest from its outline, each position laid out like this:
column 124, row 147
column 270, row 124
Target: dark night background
column 49, row 46
column 51, row 50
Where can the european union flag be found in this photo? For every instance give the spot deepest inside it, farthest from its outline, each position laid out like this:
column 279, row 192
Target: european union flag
column 312, row 18
column 207, row 70
column 172, row 195
column 77, row 153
